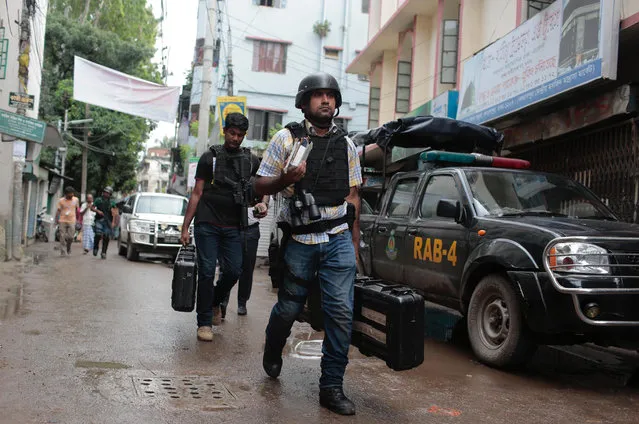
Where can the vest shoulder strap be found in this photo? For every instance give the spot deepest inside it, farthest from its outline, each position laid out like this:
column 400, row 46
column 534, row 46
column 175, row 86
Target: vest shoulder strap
column 297, row 130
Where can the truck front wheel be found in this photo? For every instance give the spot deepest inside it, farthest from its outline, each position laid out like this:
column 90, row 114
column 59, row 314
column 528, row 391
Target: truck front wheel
column 496, row 328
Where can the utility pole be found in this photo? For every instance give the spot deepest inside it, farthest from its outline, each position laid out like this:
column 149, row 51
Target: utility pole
column 85, row 154
column 229, row 61
column 207, row 71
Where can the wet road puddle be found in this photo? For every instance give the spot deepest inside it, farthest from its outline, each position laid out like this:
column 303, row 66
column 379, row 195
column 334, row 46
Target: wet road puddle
column 186, row 391
column 11, row 301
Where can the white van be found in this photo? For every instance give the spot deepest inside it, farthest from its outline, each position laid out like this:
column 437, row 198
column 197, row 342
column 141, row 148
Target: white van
column 150, row 223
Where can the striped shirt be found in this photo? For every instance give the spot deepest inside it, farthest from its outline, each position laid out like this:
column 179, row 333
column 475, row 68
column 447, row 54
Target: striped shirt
column 272, row 164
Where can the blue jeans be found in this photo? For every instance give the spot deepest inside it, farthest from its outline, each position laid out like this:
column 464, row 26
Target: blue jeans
column 213, row 242
column 333, row 265
column 250, row 241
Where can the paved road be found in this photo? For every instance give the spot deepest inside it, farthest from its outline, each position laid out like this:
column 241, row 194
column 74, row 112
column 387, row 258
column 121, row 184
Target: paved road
column 90, row 341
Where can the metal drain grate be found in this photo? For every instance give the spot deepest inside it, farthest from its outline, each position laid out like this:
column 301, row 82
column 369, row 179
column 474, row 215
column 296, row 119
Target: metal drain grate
column 193, row 389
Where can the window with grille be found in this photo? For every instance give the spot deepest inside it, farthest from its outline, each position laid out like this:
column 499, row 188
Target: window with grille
column 342, row 123
column 448, row 71
column 402, row 101
column 271, row 3
column 536, row 6
column 373, row 107
column 260, row 122
column 269, row 56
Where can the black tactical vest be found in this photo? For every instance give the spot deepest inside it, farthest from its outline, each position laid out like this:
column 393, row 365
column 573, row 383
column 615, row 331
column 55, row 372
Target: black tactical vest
column 327, row 173
column 230, row 167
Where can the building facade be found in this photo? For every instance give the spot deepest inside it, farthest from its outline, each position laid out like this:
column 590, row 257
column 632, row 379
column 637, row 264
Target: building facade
column 153, row 171
column 273, row 44
column 557, row 77
column 35, row 179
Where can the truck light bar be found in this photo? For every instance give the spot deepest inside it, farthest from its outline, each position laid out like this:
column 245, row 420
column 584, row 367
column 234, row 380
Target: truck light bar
column 473, row 159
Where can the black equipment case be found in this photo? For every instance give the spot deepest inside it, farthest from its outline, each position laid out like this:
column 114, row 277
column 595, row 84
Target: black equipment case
column 184, row 283
column 388, row 322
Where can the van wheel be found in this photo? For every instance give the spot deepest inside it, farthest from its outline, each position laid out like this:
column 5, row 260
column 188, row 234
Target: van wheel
column 121, row 248
column 496, row 328
column 131, row 252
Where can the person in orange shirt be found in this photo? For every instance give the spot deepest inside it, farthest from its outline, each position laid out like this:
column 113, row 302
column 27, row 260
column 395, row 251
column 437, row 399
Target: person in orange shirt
column 66, row 218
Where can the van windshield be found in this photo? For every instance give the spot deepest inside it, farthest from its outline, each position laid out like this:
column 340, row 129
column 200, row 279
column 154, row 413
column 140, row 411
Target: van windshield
column 161, row 205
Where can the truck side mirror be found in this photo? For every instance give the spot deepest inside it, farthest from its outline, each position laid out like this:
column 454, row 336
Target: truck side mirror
column 127, row 209
column 447, row 208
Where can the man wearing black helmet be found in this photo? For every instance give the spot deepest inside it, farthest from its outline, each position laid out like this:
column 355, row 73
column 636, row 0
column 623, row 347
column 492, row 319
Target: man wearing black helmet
column 218, row 219
column 321, row 249
column 105, row 213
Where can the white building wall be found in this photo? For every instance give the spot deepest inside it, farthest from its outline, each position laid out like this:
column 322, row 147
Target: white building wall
column 9, row 16
column 305, row 54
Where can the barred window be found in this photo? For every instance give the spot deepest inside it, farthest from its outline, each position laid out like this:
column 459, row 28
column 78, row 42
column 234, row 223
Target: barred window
column 448, row 72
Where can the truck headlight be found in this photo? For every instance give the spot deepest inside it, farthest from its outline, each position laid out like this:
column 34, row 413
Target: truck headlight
column 581, row 258
column 138, row 226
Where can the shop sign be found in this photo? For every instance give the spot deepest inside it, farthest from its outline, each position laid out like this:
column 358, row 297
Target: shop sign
column 569, row 44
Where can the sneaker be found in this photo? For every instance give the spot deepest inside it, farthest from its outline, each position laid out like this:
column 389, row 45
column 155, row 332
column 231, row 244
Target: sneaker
column 86, row 251
column 63, row 253
column 241, row 309
column 205, row 333
column 223, row 309
column 217, row 315
column 68, row 249
column 95, row 252
column 103, row 255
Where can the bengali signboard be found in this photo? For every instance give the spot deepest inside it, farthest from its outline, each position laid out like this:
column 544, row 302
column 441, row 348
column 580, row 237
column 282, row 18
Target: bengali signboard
column 24, row 100
column 568, row 44
column 22, row 127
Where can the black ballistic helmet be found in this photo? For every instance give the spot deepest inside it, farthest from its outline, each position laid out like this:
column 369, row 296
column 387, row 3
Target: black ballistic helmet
column 318, row 81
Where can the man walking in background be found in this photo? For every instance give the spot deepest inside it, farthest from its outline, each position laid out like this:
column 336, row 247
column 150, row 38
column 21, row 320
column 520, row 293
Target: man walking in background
column 250, row 241
column 105, row 211
column 65, row 218
column 88, row 219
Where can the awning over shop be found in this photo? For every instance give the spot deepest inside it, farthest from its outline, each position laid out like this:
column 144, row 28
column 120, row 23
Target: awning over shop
column 52, row 137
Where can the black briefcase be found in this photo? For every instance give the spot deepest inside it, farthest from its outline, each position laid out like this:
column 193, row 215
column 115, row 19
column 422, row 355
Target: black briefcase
column 184, row 283
column 388, row 322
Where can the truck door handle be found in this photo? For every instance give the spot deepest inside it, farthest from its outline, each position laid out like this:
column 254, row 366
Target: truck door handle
column 412, row 231
column 381, row 229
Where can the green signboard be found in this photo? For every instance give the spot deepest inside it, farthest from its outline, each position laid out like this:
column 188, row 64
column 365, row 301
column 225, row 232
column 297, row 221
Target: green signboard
column 22, row 127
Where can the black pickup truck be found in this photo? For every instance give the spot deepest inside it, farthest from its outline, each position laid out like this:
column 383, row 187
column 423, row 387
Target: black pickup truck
column 527, row 257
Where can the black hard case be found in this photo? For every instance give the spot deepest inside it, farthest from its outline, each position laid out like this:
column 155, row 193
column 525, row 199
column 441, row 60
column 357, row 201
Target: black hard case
column 184, row 283
column 388, row 322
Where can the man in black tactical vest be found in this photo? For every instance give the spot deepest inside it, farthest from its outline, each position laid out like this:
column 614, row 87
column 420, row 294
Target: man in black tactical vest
column 219, row 202
column 321, row 249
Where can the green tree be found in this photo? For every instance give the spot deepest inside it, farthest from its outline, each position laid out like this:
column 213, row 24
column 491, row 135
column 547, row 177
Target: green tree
column 115, row 33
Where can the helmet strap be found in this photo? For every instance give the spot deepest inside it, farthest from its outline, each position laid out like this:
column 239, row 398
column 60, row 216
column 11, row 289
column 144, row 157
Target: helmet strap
column 336, row 112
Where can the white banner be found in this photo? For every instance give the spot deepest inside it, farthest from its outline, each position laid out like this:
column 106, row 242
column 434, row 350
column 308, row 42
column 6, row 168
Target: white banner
column 105, row 87
column 568, row 44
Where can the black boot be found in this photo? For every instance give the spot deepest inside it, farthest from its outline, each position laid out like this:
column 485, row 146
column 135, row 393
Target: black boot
column 96, row 244
column 272, row 360
column 277, row 332
column 105, row 246
column 333, row 398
